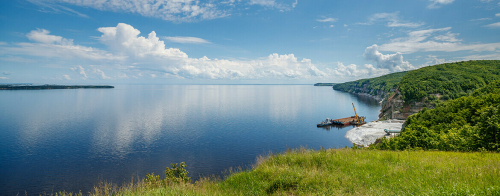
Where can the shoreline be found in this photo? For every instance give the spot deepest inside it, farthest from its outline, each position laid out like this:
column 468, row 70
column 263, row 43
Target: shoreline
column 368, row 133
column 47, row 86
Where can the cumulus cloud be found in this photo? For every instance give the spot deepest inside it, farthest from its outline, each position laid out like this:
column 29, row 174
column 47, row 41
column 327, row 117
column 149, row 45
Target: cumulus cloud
column 393, row 20
column 125, row 39
column 393, row 62
column 437, row 3
column 67, row 77
column 497, row 15
column 42, row 35
column 434, row 40
column 189, row 40
column 128, row 54
column 151, row 54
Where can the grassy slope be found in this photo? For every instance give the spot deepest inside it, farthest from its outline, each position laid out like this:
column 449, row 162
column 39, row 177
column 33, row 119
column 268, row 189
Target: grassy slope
column 350, row 172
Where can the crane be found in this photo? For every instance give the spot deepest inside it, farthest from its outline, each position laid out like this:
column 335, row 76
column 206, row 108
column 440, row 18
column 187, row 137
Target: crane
column 357, row 118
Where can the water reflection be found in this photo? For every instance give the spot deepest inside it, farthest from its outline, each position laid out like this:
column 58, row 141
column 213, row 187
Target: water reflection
column 69, row 139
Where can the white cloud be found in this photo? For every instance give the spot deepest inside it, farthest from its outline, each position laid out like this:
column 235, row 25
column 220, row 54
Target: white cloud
column 100, row 73
column 171, row 10
column 125, row 39
column 494, row 25
column 437, row 3
column 327, row 20
column 129, row 54
column 42, row 35
column 189, row 40
column 393, row 20
column 59, row 51
column 480, row 19
column 4, row 78
column 273, row 4
column 51, row 7
column 493, row 56
column 448, row 37
column 497, row 15
column 295, row 3
column 67, row 77
column 81, row 71
column 5, row 73
column 393, row 62
column 269, row 3
column 427, row 40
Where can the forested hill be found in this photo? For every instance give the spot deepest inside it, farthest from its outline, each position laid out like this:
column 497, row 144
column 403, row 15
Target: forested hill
column 377, row 87
column 448, row 81
column 425, row 87
column 468, row 123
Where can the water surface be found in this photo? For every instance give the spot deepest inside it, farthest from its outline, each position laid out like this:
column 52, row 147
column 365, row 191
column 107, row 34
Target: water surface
column 52, row 140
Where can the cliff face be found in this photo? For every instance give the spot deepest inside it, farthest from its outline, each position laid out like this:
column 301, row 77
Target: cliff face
column 394, row 107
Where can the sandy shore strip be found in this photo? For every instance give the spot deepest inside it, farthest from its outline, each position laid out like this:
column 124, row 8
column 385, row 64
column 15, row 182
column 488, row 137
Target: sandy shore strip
column 368, row 133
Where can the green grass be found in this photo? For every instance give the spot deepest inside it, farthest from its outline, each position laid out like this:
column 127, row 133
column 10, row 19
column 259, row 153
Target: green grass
column 346, row 172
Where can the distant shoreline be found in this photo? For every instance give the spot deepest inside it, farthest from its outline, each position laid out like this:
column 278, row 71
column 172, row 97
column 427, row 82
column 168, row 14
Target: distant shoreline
column 324, row 84
column 47, row 86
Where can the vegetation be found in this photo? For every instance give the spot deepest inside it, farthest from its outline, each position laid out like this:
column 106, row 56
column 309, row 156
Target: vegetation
column 373, row 85
column 468, row 123
column 450, row 80
column 324, row 84
column 344, row 172
column 48, row 86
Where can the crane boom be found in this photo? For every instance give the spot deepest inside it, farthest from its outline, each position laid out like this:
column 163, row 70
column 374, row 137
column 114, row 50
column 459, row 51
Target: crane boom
column 357, row 118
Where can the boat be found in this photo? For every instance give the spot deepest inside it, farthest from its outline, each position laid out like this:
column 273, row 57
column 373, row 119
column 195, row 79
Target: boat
column 325, row 123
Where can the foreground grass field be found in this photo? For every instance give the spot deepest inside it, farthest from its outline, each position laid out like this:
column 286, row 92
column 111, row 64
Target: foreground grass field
column 345, row 172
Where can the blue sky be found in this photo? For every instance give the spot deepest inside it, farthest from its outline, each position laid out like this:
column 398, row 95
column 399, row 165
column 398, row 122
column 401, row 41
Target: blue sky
column 237, row 41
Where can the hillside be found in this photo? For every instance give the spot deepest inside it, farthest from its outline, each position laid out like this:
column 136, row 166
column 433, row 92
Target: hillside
column 377, row 88
column 468, row 123
column 448, row 81
column 342, row 172
column 411, row 91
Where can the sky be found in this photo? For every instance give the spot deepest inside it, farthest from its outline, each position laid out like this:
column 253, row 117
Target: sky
column 238, row 41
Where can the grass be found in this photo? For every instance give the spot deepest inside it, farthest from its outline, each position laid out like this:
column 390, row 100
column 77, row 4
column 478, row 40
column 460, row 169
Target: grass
column 344, row 172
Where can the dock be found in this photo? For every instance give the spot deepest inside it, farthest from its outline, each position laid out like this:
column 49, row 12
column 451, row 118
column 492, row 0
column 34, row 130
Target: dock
column 345, row 121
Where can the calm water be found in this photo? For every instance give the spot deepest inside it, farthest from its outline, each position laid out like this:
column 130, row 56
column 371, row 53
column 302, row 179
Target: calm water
column 52, row 140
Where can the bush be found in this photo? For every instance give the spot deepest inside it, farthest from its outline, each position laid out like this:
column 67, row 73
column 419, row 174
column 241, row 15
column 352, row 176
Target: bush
column 176, row 174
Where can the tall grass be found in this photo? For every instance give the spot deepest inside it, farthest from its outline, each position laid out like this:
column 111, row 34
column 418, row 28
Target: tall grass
column 345, row 172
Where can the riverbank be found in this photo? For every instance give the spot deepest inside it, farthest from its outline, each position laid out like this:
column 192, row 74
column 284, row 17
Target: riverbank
column 368, row 133
column 345, row 172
